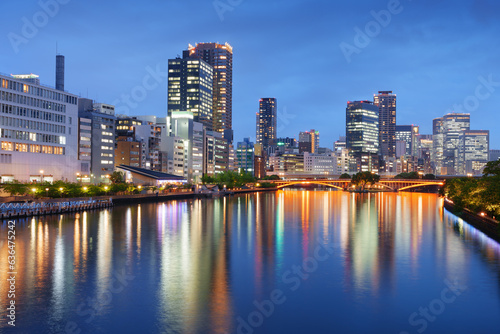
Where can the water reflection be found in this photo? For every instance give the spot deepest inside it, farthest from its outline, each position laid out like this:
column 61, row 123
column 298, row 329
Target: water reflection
column 199, row 265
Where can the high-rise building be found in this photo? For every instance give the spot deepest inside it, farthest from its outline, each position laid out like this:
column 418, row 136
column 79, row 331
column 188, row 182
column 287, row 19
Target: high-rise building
column 362, row 134
column 437, row 144
column 220, row 57
column 266, row 122
column 190, row 89
column 38, row 132
column 183, row 126
column 215, row 153
column 96, row 140
column 474, row 146
column 386, row 102
column 404, row 135
column 309, row 141
column 245, row 156
column 453, row 125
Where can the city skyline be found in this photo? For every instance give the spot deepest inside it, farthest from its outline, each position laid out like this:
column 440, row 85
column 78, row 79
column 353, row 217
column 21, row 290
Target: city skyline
column 320, row 90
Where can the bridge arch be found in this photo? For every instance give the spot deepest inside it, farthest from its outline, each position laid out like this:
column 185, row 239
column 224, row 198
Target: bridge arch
column 419, row 185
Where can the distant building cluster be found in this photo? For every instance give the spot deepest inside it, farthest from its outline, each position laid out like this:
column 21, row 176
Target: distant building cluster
column 375, row 143
column 48, row 134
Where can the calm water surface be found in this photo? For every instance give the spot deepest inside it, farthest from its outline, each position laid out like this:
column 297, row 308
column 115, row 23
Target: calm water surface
column 285, row 262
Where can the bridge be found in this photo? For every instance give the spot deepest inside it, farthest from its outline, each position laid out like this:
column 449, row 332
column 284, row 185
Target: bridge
column 344, row 184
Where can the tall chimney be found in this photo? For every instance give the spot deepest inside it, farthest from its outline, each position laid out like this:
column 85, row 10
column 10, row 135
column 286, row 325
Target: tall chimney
column 60, row 72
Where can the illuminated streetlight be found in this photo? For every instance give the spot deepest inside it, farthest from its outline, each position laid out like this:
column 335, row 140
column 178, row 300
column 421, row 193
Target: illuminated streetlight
column 84, row 188
column 33, row 190
column 61, row 189
column 105, row 187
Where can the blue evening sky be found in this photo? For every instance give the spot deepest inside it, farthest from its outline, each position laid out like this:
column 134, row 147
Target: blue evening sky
column 435, row 55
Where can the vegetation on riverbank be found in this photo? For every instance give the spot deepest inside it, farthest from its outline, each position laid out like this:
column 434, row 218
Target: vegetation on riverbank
column 229, row 179
column 360, row 180
column 61, row 189
column 477, row 195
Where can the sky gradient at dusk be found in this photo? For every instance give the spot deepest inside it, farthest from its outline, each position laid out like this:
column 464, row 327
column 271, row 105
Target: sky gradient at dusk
column 437, row 56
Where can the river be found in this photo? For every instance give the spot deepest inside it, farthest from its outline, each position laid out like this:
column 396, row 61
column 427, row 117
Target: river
column 291, row 261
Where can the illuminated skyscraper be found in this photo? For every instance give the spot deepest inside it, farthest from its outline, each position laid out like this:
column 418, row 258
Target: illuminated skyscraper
column 474, row 146
column 453, row 126
column 220, row 57
column 309, row 141
column 190, row 84
column 362, row 134
column 266, row 122
column 386, row 102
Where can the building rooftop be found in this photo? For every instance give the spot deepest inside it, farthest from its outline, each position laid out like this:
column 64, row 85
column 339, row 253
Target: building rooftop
column 152, row 174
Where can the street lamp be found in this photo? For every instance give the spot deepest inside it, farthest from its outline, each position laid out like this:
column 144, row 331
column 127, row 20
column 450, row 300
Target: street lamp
column 47, row 192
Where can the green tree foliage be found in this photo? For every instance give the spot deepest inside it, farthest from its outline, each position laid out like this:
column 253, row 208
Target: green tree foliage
column 492, row 168
column 411, row 175
column 345, row 176
column 429, row 177
column 474, row 194
column 360, row 180
column 271, row 178
column 230, row 179
column 15, row 188
column 117, row 177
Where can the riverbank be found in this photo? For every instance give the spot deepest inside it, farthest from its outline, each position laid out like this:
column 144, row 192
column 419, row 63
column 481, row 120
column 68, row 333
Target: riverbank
column 488, row 226
column 23, row 206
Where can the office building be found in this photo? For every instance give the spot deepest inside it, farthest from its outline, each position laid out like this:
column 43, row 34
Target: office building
column 220, row 57
column 286, row 164
column 386, row 102
column 474, row 146
column 245, row 156
column 215, row 153
column 266, row 122
column 340, row 143
column 362, row 135
column 184, row 127
column 286, row 142
column 96, row 141
column 190, row 89
column 309, row 141
column 320, row 164
column 38, row 131
column 446, row 135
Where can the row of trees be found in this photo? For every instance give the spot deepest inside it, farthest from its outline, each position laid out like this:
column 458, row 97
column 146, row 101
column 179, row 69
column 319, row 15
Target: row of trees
column 415, row 175
column 477, row 195
column 230, row 179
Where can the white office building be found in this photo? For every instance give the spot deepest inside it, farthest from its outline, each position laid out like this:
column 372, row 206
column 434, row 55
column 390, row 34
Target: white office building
column 38, row 132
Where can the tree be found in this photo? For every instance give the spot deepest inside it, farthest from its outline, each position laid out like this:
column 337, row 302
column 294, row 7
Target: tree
column 117, row 177
column 492, row 168
column 345, row 176
column 411, row 175
column 364, row 178
column 429, row 177
column 207, row 179
column 15, row 188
